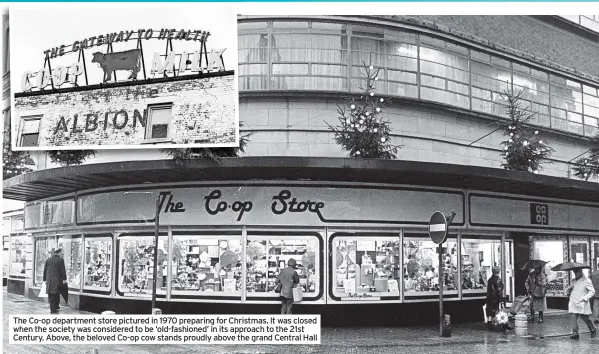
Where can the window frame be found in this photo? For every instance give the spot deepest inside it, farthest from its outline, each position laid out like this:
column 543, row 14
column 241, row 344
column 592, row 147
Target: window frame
column 148, row 135
column 30, row 117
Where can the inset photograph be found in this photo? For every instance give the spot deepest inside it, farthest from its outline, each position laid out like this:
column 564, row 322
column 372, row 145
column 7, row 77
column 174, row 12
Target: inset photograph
column 135, row 76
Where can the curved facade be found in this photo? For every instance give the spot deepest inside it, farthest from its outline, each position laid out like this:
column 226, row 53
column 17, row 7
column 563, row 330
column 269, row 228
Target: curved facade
column 357, row 227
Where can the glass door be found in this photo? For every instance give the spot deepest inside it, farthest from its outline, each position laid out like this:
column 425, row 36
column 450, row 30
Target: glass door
column 509, row 270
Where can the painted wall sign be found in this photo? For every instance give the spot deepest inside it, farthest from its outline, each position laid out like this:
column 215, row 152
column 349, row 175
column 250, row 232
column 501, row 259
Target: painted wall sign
column 517, row 212
column 270, row 205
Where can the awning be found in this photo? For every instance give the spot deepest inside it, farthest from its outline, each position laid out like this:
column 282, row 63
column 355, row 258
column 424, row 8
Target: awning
column 54, row 182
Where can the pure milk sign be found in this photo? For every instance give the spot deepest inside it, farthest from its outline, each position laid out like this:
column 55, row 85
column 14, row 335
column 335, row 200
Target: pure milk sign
column 131, row 61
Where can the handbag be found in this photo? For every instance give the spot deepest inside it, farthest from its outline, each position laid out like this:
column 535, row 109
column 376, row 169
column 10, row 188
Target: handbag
column 43, row 292
column 278, row 288
column 297, row 294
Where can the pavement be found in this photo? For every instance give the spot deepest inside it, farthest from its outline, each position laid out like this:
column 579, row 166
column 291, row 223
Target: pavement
column 552, row 336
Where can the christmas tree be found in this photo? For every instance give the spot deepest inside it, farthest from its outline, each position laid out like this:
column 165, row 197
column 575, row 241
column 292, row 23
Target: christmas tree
column 214, row 154
column 14, row 162
column 70, row 157
column 524, row 150
column 588, row 167
column 362, row 131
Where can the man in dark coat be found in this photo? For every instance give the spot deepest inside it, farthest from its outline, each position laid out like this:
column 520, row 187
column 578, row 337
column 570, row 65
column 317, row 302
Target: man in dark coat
column 55, row 276
column 288, row 278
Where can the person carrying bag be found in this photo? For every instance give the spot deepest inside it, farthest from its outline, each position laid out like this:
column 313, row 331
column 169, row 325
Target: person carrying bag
column 286, row 282
column 536, row 286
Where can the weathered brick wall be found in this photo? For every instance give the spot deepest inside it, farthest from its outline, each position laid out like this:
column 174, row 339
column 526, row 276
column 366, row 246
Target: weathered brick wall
column 296, row 127
column 203, row 111
column 528, row 35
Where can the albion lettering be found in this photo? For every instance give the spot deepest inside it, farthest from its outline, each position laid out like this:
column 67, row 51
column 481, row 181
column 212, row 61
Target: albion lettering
column 90, row 122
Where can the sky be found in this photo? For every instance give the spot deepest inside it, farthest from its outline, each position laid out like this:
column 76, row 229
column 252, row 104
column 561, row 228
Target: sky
column 34, row 29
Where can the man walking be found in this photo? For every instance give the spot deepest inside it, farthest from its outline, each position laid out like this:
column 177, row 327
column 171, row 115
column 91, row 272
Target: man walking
column 581, row 291
column 288, row 278
column 55, row 275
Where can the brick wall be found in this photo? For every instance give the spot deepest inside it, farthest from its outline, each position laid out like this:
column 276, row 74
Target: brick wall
column 203, row 111
column 287, row 127
column 528, row 35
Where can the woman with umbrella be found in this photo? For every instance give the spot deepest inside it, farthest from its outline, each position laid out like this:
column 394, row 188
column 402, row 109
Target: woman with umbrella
column 536, row 287
column 581, row 290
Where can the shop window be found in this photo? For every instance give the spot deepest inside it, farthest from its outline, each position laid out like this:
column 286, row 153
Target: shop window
column 478, row 259
column 206, row 265
column 365, row 266
column 18, row 256
column 43, row 251
column 595, row 256
column 98, row 263
column 136, row 265
column 30, row 130
column 421, row 266
column 71, row 248
column 5, row 242
column 579, row 253
column 159, row 118
column 553, row 252
column 266, row 256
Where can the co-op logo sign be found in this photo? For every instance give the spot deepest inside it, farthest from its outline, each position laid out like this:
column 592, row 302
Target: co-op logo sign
column 132, row 61
column 215, row 204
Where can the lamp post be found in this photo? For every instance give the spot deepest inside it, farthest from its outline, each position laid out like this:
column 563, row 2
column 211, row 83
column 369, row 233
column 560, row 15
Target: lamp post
column 156, row 228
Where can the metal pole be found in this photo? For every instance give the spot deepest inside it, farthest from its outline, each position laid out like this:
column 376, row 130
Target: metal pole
column 441, row 283
column 157, row 222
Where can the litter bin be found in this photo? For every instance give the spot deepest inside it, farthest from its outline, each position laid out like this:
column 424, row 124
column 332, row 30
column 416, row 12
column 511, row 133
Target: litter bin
column 521, row 324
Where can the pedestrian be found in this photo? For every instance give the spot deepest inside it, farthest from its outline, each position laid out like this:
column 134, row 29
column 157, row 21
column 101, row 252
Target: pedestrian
column 536, row 286
column 55, row 276
column 595, row 298
column 581, row 291
column 494, row 298
column 288, row 278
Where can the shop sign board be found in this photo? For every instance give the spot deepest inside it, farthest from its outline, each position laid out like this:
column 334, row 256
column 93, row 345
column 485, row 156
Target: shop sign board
column 528, row 213
column 437, row 228
column 268, row 205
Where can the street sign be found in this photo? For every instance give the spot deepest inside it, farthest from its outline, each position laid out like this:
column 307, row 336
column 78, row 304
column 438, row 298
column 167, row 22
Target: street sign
column 437, row 228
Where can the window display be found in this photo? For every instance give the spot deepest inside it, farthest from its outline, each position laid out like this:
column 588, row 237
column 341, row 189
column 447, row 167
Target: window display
column 206, row 265
column 267, row 255
column 366, row 266
column 478, row 259
column 18, row 255
column 71, row 247
column 595, row 259
column 43, row 251
column 136, row 265
column 552, row 251
column 579, row 253
column 421, row 267
column 98, row 263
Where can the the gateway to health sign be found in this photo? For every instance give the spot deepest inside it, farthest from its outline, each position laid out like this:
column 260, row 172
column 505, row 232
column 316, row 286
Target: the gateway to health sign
column 124, row 77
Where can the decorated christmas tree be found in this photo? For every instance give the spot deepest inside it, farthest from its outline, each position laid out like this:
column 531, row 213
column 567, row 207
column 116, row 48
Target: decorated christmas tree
column 14, row 162
column 524, row 149
column 214, row 154
column 362, row 130
column 70, row 157
column 588, row 166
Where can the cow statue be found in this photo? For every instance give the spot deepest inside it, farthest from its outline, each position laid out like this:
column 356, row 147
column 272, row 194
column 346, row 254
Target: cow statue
column 110, row 62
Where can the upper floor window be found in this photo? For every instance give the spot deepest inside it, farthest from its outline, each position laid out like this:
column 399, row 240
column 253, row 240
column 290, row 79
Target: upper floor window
column 30, row 130
column 159, row 119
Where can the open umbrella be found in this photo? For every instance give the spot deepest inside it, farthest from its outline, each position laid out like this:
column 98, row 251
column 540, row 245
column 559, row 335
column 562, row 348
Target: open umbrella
column 534, row 264
column 569, row 266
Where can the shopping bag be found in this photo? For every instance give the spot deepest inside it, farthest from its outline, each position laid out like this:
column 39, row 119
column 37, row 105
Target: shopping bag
column 485, row 313
column 43, row 290
column 278, row 288
column 297, row 294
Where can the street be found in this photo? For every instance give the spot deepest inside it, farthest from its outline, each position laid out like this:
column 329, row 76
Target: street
column 549, row 337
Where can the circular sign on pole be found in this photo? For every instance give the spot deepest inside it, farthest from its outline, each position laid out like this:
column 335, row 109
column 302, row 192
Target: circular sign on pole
column 437, row 228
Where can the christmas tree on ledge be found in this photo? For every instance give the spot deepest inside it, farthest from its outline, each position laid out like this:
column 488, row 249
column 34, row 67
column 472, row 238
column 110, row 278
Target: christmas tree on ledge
column 14, row 162
column 362, row 131
column 588, row 167
column 70, row 157
column 524, row 150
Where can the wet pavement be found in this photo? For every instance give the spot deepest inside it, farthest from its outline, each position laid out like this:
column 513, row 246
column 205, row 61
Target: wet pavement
column 552, row 336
